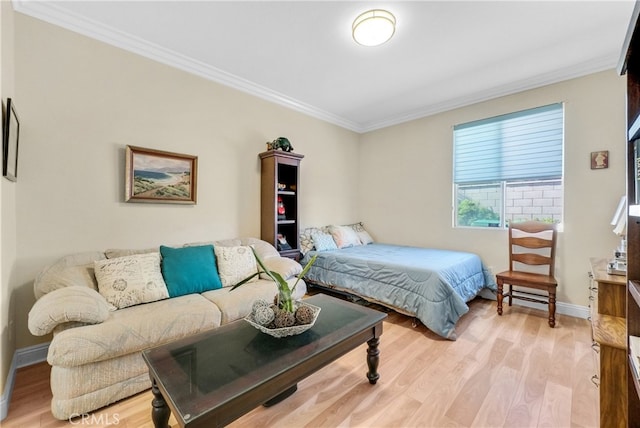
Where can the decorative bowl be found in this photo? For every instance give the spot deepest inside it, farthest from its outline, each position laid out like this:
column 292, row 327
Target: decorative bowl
column 286, row 331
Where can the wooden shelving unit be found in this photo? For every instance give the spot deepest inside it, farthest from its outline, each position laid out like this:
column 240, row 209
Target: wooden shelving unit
column 608, row 297
column 630, row 65
column 280, row 183
column 633, row 327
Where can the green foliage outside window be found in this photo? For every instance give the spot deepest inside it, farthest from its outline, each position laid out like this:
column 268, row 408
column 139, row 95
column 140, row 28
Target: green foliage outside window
column 471, row 213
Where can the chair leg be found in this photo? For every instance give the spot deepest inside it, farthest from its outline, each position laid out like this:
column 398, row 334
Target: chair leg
column 499, row 296
column 510, row 294
column 552, row 308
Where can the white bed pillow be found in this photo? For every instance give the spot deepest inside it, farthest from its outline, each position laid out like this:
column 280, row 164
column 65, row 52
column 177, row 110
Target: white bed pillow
column 344, row 236
column 365, row 238
column 363, row 235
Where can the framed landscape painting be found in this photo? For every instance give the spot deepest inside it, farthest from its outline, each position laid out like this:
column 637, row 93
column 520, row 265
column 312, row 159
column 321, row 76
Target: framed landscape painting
column 159, row 176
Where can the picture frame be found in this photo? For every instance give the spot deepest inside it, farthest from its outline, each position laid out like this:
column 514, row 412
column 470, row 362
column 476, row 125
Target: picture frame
column 600, row 159
column 10, row 140
column 158, row 176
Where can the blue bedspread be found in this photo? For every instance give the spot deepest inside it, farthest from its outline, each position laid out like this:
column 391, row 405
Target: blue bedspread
column 433, row 285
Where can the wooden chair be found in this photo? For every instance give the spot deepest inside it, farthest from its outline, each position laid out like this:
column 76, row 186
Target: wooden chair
column 532, row 247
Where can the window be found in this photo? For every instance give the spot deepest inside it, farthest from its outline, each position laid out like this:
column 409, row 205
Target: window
column 509, row 168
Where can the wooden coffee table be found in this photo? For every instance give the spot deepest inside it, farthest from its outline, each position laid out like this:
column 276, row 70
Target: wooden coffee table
column 212, row 378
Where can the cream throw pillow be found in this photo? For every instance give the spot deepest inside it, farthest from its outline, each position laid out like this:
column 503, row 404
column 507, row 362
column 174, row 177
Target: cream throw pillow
column 235, row 264
column 131, row 280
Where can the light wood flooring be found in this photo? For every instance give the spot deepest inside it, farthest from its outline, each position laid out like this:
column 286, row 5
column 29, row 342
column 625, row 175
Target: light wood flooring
column 509, row 371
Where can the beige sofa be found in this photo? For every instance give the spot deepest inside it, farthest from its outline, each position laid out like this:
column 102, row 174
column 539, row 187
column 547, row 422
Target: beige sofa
column 95, row 352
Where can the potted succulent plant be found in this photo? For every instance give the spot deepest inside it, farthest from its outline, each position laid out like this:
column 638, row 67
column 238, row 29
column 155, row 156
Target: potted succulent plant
column 283, row 312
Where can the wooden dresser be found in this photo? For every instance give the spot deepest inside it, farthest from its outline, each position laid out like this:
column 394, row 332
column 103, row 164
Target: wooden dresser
column 608, row 294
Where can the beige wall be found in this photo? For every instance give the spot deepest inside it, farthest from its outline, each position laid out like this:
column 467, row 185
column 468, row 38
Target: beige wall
column 408, row 168
column 7, row 206
column 81, row 102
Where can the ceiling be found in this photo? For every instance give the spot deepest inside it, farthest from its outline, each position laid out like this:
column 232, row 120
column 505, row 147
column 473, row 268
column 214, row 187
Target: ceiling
column 300, row 54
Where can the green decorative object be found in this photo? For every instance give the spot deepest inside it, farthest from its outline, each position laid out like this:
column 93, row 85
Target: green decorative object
column 284, row 317
column 281, row 143
column 283, row 299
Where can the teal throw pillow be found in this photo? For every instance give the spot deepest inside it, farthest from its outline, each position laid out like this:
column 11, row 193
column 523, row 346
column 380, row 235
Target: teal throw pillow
column 189, row 270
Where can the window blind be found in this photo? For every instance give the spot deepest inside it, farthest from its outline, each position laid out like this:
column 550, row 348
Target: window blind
column 522, row 145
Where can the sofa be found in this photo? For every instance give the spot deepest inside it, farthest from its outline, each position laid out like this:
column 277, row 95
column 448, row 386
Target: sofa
column 104, row 308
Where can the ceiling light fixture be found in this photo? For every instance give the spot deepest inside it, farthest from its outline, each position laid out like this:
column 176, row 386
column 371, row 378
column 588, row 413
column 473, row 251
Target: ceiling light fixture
column 373, row 27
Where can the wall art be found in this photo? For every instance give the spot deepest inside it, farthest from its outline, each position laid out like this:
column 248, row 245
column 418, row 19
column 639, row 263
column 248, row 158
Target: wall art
column 159, row 176
column 10, row 137
column 600, row 160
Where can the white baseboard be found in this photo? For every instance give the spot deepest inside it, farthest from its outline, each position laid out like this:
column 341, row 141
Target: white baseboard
column 21, row 358
column 572, row 310
column 576, row 311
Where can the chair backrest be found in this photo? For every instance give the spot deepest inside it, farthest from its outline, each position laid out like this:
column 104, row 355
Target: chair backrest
column 532, row 243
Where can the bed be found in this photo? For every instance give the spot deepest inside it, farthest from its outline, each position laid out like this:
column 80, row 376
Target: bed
column 430, row 284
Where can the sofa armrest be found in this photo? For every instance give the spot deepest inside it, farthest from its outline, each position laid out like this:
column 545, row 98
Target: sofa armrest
column 74, row 303
column 287, row 268
column 74, row 269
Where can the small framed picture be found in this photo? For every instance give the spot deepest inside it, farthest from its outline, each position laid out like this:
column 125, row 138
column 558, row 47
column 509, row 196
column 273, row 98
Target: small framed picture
column 159, row 176
column 600, row 160
column 10, row 137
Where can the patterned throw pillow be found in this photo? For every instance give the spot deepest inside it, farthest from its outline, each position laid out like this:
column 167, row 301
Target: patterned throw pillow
column 363, row 235
column 306, row 239
column 235, row 264
column 323, row 242
column 344, row 236
column 131, row 280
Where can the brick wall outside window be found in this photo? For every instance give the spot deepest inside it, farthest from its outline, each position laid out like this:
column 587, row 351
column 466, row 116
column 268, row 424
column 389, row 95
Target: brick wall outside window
column 536, row 200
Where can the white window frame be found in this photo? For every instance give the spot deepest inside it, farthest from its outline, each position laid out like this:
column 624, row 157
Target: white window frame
column 547, row 121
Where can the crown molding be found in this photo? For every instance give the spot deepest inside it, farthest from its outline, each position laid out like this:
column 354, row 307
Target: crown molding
column 54, row 14
column 600, row 64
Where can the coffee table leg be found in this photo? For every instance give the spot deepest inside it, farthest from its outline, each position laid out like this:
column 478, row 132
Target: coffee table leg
column 373, row 358
column 160, row 412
